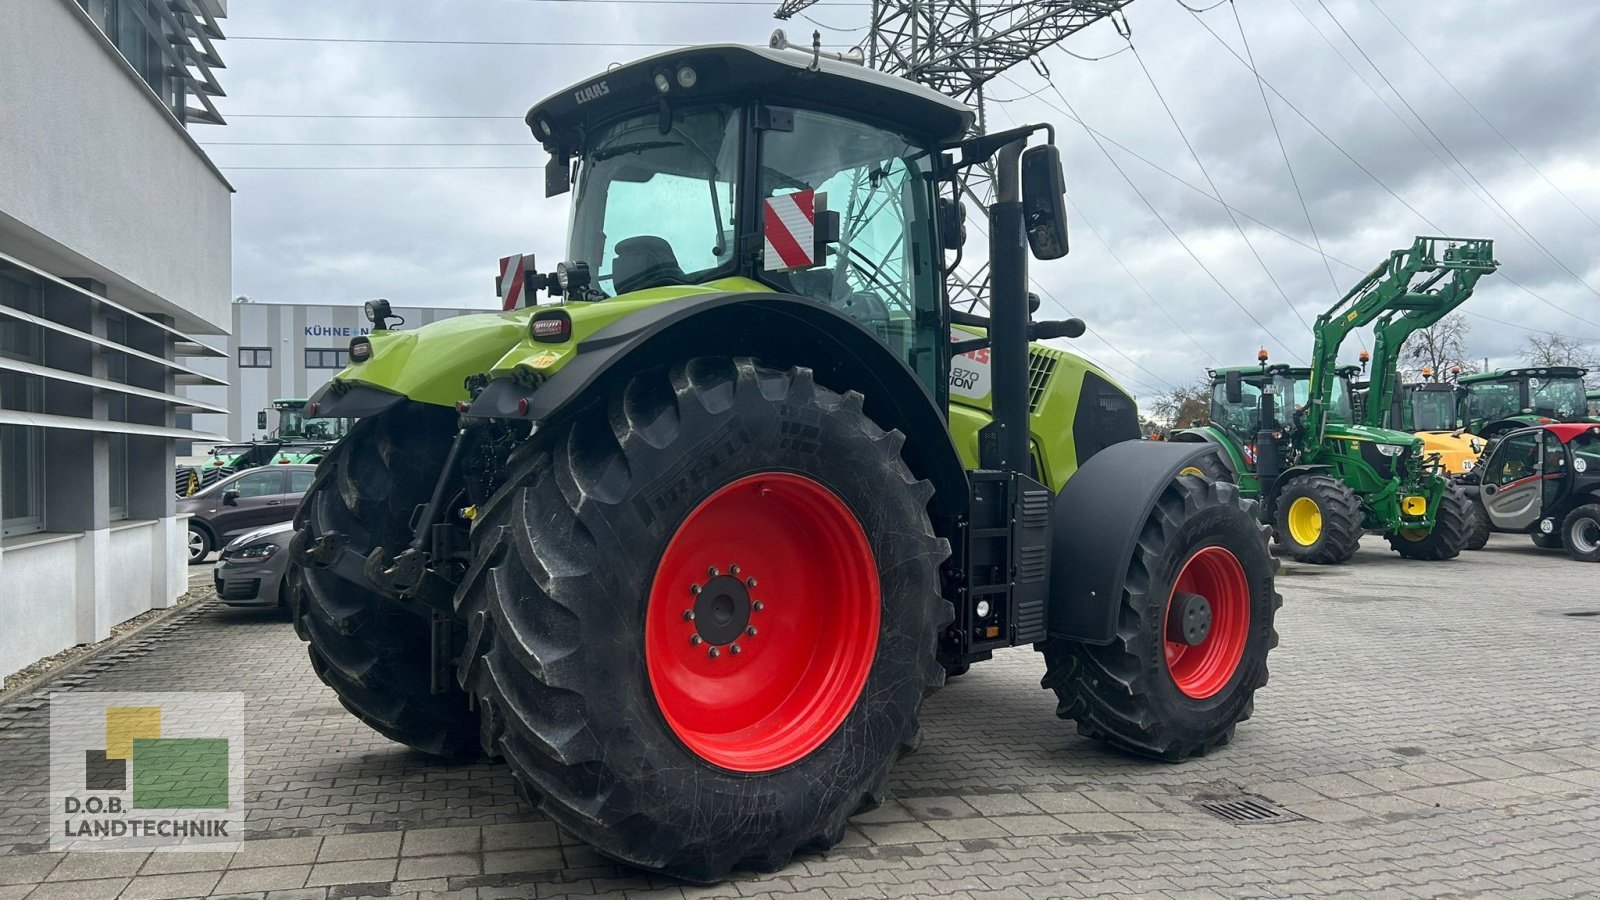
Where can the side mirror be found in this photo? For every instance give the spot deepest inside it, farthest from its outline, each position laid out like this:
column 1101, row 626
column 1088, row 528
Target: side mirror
column 230, row 497
column 557, row 175
column 952, row 224
column 1044, row 201
column 1233, row 384
column 261, row 420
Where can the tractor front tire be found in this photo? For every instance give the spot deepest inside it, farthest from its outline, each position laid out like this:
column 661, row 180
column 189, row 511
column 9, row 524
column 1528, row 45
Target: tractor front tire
column 1452, row 528
column 1154, row 691
column 1551, row 541
column 702, row 617
column 373, row 652
column 1319, row 520
column 1580, row 533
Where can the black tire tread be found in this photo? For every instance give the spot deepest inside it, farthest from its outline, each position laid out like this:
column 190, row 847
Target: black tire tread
column 524, row 599
column 1587, row 511
column 1103, row 688
column 1341, row 521
column 1452, row 527
column 370, row 650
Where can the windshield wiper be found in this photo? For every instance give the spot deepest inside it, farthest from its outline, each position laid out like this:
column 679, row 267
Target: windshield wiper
column 609, row 152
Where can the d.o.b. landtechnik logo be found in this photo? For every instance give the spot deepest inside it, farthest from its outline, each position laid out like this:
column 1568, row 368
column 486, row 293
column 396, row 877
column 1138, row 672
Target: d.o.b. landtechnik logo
column 145, row 771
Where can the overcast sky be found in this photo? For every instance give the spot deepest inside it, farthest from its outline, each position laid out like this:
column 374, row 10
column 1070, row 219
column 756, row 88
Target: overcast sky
column 432, row 237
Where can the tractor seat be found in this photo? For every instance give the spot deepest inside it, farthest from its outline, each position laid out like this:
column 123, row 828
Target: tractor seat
column 644, row 261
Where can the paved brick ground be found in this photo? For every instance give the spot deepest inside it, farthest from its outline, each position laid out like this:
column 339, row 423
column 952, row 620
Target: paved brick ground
column 1432, row 730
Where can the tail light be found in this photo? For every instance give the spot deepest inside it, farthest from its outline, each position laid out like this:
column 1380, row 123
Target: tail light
column 360, row 350
column 551, row 328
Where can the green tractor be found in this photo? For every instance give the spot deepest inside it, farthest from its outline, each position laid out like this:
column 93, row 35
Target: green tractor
column 1323, row 474
column 1594, row 405
column 1503, row 401
column 688, row 547
column 295, row 441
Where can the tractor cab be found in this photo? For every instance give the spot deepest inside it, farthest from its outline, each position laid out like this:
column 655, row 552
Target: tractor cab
column 1431, row 406
column 1290, row 387
column 1594, row 404
column 1499, row 402
column 1545, row 481
column 724, row 168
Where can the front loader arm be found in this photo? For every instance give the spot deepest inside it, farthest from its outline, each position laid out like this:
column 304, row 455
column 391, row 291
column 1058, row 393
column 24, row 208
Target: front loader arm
column 1389, row 291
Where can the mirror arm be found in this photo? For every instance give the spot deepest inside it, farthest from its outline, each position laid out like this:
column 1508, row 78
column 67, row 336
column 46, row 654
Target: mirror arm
column 959, row 347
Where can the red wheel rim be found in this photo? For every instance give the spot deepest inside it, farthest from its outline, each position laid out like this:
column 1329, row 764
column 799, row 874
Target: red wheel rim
column 776, row 566
column 1202, row 670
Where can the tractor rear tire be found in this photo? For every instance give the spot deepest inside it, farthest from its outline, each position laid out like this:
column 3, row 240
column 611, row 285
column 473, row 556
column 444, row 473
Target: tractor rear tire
column 1580, row 533
column 373, row 652
column 1452, row 526
column 1551, row 541
column 1147, row 693
column 702, row 617
column 1478, row 530
column 1319, row 520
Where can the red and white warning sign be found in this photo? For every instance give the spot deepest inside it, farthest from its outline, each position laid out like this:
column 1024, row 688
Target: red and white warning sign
column 509, row 284
column 790, row 224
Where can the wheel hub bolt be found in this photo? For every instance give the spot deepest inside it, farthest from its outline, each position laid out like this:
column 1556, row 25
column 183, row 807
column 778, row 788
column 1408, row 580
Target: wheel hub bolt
column 751, row 631
column 734, row 649
column 758, row 606
column 750, row 582
column 713, row 572
column 688, row 615
column 733, row 570
column 694, row 640
column 713, row 653
column 694, row 589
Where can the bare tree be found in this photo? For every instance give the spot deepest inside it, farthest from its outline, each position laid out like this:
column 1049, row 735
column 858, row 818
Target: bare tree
column 1440, row 347
column 1184, row 406
column 1560, row 350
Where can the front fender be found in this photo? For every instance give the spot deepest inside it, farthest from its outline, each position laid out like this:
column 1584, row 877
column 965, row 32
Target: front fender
column 1094, row 526
column 1211, row 434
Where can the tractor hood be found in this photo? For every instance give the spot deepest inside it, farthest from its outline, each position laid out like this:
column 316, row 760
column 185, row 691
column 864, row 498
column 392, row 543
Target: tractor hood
column 1346, row 432
column 431, row 364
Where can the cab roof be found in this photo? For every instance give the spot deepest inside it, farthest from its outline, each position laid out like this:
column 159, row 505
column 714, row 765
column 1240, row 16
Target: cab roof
column 736, row 72
column 1565, row 432
column 1534, row 371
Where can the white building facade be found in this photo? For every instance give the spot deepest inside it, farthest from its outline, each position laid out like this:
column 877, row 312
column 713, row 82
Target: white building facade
column 115, row 261
column 285, row 351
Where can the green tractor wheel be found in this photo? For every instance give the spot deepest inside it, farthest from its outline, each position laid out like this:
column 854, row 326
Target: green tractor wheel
column 703, row 615
column 1452, row 528
column 1319, row 520
column 365, row 646
column 1192, row 637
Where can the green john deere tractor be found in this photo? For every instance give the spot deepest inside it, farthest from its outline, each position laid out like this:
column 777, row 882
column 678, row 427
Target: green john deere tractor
column 1503, row 401
column 295, row 440
column 688, row 546
column 1291, row 435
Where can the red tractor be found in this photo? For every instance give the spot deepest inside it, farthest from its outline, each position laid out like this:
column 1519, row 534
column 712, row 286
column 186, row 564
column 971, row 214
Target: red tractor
column 1545, row 482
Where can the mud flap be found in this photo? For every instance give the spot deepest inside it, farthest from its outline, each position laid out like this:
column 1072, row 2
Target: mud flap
column 1093, row 529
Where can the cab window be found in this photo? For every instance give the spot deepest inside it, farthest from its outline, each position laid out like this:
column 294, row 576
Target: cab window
column 1518, row 458
column 1242, row 418
column 1489, row 401
column 883, row 271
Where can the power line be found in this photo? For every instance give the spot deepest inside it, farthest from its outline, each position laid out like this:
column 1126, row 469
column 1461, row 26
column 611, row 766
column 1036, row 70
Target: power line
column 1507, row 214
column 1293, row 179
column 1175, row 236
column 370, row 168
column 1171, row 117
column 297, row 39
column 1472, row 106
column 524, row 144
column 234, row 115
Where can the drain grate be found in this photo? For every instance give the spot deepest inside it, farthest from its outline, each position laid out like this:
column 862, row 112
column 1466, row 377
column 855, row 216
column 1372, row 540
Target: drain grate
column 1247, row 809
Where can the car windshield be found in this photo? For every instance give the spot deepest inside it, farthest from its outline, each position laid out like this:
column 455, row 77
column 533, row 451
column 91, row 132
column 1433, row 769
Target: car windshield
column 1586, row 452
column 1433, row 411
column 1558, row 398
column 657, row 208
column 1491, row 400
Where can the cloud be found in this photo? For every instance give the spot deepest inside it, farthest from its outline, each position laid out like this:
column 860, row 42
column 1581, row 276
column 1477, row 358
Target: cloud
column 432, row 237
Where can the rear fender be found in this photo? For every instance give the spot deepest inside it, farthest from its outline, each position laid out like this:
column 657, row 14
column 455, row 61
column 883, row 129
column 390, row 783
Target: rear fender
column 1210, row 434
column 778, row 329
column 1096, row 523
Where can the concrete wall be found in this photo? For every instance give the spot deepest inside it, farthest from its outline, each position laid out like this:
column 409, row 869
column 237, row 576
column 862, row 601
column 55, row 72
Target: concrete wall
column 98, row 179
column 38, row 574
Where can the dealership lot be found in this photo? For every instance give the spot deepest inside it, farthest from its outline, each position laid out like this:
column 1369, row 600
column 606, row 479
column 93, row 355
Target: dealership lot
column 1429, row 730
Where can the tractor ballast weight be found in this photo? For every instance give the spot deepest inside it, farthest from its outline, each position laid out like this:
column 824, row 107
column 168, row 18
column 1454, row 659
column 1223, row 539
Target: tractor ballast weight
column 690, row 552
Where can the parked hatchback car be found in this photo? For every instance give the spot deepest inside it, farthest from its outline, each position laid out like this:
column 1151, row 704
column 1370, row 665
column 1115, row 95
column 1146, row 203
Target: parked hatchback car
column 242, row 503
column 251, row 570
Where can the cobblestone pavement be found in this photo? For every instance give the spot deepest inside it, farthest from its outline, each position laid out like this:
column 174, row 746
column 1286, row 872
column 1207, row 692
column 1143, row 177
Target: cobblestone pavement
column 1430, row 730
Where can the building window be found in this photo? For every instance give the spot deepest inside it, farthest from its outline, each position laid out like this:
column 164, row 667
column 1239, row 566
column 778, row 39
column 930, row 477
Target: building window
column 255, row 357
column 149, row 35
column 117, row 411
column 327, row 358
column 21, row 446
